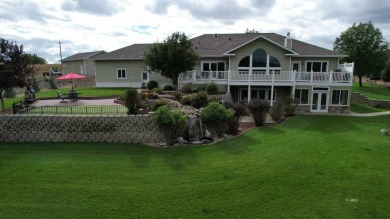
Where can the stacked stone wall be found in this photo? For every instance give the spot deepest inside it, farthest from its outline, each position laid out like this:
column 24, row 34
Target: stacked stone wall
column 361, row 99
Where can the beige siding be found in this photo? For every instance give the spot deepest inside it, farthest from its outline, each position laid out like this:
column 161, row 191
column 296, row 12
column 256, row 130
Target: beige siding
column 72, row 66
column 106, row 74
column 271, row 50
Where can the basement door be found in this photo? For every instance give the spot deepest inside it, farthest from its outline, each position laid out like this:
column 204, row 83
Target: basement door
column 319, row 100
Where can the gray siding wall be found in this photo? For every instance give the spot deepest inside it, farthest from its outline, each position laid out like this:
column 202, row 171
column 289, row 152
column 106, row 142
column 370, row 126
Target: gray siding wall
column 73, row 66
column 106, row 74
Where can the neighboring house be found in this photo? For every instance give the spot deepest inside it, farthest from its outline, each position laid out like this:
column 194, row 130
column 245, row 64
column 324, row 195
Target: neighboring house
column 125, row 67
column 264, row 65
column 80, row 63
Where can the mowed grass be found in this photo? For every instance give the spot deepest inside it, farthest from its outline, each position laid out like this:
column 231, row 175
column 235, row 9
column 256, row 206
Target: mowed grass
column 373, row 91
column 86, row 92
column 310, row 167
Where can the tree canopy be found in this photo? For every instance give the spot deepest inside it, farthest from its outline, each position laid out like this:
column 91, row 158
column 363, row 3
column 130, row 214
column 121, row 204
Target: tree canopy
column 251, row 31
column 171, row 57
column 364, row 44
column 35, row 59
column 15, row 67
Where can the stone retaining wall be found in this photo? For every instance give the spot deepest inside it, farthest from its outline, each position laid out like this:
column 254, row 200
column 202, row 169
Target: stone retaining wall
column 361, row 99
column 58, row 128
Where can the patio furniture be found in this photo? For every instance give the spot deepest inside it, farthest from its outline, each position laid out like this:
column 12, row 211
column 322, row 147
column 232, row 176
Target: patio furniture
column 59, row 95
column 73, row 95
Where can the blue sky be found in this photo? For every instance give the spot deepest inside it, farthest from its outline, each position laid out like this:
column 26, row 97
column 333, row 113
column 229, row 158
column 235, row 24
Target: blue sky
column 85, row 25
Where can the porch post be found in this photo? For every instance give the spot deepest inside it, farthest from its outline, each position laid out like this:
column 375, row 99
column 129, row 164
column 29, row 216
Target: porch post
column 228, row 82
column 311, row 76
column 330, row 76
column 193, row 75
column 249, row 93
column 272, row 95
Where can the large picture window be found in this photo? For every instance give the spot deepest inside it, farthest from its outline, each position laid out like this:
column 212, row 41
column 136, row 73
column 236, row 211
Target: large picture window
column 121, row 73
column 340, row 97
column 302, row 96
column 317, row 66
column 213, row 66
column 262, row 63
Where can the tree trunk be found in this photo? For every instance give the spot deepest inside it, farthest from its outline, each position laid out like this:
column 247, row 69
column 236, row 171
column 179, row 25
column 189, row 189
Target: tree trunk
column 2, row 100
column 360, row 81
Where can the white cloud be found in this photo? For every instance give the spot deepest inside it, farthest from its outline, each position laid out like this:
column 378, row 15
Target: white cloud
column 85, row 25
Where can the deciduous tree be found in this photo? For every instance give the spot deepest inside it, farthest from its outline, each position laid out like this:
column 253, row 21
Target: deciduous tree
column 171, row 57
column 364, row 44
column 15, row 67
column 35, row 59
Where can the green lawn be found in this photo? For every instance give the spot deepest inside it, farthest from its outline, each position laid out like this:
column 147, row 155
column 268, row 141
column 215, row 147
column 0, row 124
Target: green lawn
column 86, row 92
column 310, row 167
column 359, row 108
column 373, row 91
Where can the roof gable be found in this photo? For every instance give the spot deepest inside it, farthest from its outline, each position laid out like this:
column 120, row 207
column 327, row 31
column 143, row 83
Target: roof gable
column 82, row 56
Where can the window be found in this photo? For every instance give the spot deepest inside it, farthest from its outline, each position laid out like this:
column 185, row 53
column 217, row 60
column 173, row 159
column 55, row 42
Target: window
column 320, row 66
column 302, row 96
column 262, row 63
column 260, row 93
column 259, row 58
column 121, row 73
column 213, row 66
column 340, row 97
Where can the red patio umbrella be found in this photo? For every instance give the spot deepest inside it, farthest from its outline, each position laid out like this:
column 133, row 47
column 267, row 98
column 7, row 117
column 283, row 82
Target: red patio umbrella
column 71, row 76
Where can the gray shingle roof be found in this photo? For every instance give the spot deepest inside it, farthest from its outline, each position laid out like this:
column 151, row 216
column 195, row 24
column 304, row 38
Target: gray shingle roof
column 135, row 51
column 81, row 56
column 220, row 44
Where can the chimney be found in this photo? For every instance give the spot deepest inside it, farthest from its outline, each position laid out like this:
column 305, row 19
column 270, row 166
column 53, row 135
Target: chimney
column 288, row 41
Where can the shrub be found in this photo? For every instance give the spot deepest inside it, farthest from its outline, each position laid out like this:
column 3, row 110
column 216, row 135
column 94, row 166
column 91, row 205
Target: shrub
column 258, row 109
column 132, row 101
column 186, row 100
column 187, row 88
column 239, row 111
column 172, row 123
column 9, row 93
column 177, row 95
column 386, row 72
column 35, row 85
column 277, row 112
column 211, row 88
column 150, row 95
column 215, row 99
column 53, row 84
column 215, row 117
column 122, row 96
column 199, row 100
column 158, row 103
column 142, row 94
column 201, row 88
column 157, row 90
column 152, row 84
column 291, row 106
column 168, row 88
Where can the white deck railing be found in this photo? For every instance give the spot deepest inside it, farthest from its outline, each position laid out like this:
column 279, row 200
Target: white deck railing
column 262, row 76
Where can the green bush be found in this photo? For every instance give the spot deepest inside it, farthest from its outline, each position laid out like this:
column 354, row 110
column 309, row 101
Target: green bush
column 177, row 95
column 386, row 72
column 152, row 84
column 53, row 84
column 240, row 110
column 168, row 88
column 215, row 98
column 132, row 101
column 171, row 122
column 9, row 93
column 186, row 100
column 216, row 117
column 157, row 90
column 142, row 94
column 35, row 85
column 187, row 88
column 211, row 88
column 258, row 109
column 291, row 106
column 122, row 96
column 199, row 100
column 277, row 112
column 201, row 88
column 158, row 103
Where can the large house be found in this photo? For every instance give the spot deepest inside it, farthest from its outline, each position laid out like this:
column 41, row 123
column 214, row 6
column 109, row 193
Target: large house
column 264, row 65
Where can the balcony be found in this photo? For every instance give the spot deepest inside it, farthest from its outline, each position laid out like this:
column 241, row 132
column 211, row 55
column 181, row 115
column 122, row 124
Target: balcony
column 262, row 77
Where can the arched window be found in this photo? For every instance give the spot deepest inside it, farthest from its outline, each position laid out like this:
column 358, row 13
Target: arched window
column 259, row 58
column 274, row 62
column 244, row 62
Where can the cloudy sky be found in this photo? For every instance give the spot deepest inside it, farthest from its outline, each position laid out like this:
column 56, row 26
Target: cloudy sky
column 91, row 25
